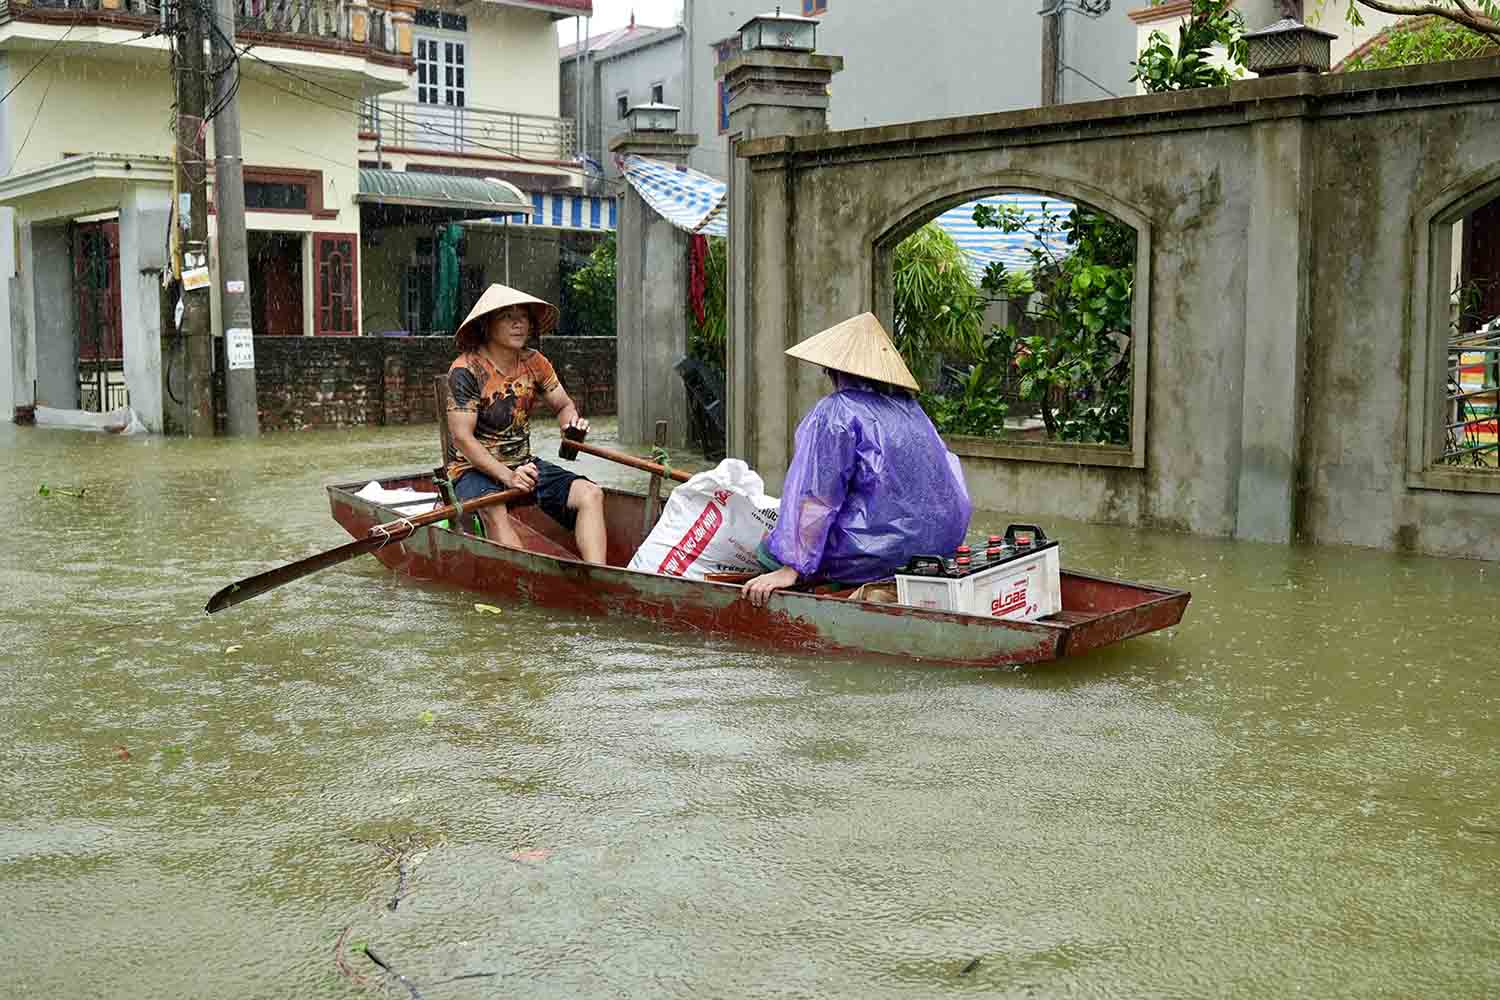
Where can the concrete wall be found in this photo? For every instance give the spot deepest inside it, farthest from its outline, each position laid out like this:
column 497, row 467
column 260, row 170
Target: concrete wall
column 1284, row 220
column 907, row 60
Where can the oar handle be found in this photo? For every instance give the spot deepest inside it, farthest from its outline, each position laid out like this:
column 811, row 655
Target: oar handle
column 398, row 529
column 571, row 446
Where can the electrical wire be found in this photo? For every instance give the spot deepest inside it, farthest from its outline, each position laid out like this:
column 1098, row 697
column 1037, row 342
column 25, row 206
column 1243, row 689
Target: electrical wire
column 45, row 56
column 428, row 126
column 36, row 117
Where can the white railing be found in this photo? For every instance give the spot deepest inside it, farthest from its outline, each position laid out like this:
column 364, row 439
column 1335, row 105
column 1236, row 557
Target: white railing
column 470, row 131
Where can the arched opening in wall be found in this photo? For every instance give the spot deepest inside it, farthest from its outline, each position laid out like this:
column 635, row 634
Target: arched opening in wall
column 1018, row 312
column 1471, row 375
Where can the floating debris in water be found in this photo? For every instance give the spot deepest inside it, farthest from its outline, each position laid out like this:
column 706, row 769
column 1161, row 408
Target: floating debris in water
column 489, row 609
column 973, row 964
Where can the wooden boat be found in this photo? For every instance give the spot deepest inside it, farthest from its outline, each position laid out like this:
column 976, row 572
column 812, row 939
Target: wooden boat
column 547, row 571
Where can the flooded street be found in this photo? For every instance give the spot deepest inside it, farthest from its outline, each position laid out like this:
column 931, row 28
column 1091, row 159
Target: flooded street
column 1293, row 792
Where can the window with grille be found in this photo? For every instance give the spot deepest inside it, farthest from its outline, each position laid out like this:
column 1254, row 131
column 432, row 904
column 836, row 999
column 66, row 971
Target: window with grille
column 622, row 106
column 658, row 94
column 441, row 72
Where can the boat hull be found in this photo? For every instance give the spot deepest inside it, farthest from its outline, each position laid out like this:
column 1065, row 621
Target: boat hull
column 1096, row 612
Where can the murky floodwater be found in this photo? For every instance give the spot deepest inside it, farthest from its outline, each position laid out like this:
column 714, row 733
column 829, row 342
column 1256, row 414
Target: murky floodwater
column 1292, row 792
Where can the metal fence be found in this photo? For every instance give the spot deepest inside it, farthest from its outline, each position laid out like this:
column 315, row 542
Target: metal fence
column 1473, row 386
column 468, row 130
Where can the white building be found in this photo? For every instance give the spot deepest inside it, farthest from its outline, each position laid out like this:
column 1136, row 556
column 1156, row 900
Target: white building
column 355, row 113
column 620, row 69
column 908, row 60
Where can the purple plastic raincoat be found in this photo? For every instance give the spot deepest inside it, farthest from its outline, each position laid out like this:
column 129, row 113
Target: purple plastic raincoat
column 871, row 485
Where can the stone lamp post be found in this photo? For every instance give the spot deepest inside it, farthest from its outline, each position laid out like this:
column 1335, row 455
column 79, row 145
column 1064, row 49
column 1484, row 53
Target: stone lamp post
column 1288, row 46
column 781, row 32
column 653, row 117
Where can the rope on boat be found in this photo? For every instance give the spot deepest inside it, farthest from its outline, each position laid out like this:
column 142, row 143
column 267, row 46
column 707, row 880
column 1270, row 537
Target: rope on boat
column 384, row 531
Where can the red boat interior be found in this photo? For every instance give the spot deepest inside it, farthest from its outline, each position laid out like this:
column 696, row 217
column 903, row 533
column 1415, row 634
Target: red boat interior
column 1084, row 598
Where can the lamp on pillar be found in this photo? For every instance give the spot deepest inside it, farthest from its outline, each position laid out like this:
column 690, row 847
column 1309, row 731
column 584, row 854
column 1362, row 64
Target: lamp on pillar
column 653, row 117
column 784, row 32
column 1288, row 46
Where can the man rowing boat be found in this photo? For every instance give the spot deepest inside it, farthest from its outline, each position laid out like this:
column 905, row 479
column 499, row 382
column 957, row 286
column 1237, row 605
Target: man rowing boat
column 491, row 387
column 871, row 483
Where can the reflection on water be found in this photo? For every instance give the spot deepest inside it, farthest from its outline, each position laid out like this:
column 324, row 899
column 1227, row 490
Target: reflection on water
column 1293, row 790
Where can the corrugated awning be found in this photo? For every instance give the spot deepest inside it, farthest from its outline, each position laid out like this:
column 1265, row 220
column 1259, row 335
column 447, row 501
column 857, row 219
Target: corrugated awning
column 404, row 187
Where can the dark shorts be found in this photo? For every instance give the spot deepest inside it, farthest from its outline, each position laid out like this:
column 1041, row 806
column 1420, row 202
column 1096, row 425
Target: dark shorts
column 552, row 486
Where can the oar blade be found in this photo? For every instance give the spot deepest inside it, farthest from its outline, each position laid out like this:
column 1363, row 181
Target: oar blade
column 253, row 586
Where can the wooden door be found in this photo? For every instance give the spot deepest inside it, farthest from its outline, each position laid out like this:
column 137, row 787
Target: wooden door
column 336, row 284
column 276, row 294
column 96, row 289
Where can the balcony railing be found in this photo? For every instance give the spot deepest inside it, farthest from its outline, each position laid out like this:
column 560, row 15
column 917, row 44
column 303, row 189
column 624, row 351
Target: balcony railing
column 336, row 24
column 479, row 132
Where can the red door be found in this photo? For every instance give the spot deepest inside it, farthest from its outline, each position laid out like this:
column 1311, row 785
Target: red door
column 335, row 263
column 96, row 287
column 276, row 283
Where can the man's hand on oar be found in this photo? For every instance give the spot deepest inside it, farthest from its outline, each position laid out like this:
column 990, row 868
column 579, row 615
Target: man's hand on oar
column 570, row 446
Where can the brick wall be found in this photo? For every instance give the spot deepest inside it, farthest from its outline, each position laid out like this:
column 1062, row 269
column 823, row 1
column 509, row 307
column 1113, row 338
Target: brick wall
column 305, row 382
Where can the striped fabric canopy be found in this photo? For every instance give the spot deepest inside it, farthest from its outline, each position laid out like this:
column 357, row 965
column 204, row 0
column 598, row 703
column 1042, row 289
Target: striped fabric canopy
column 684, row 197
column 989, row 246
column 699, row 204
column 568, row 211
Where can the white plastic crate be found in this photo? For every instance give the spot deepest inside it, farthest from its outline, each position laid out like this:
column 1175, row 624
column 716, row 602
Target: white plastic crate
column 1023, row 589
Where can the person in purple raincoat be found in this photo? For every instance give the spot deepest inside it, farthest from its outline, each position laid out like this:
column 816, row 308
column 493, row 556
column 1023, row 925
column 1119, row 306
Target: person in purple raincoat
column 871, row 483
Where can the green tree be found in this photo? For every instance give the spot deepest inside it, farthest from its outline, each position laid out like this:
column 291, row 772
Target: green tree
column 594, row 291
column 1421, row 40
column 1161, row 67
column 1076, row 366
column 709, row 338
column 939, row 309
column 1479, row 16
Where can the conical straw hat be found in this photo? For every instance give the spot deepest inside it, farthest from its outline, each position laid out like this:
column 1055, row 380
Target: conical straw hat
column 470, row 333
column 859, row 346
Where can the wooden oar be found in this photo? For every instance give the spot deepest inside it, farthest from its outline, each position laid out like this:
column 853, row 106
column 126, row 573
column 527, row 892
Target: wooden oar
column 570, row 447
column 380, row 536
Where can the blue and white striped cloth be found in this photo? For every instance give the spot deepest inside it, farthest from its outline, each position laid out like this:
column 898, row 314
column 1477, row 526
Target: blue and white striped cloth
column 989, row 246
column 684, row 197
column 699, row 204
column 569, row 211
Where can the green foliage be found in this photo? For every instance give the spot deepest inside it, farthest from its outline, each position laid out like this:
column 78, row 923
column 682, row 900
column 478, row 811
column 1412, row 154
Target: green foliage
column 709, row 338
column 1161, row 68
column 1076, row 366
column 593, row 288
column 939, row 309
column 977, row 406
column 1421, row 40
column 1482, row 16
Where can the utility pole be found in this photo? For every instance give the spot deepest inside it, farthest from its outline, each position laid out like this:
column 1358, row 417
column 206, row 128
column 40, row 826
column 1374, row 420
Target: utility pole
column 1051, row 52
column 243, row 414
column 191, row 211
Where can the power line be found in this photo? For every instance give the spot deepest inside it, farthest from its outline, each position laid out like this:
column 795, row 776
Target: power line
column 513, row 157
column 36, row 117
column 45, row 56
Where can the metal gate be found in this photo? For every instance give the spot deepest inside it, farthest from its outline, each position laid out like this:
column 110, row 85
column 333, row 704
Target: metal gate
column 96, row 286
